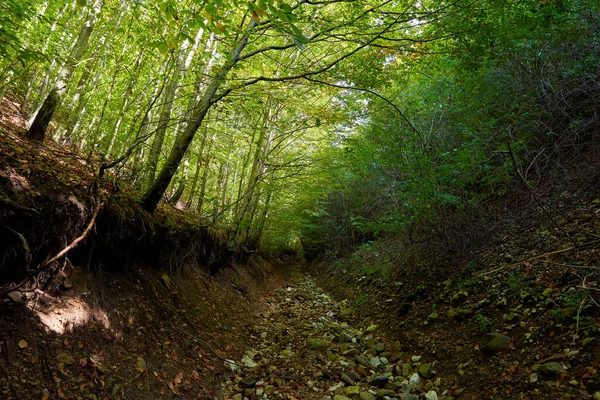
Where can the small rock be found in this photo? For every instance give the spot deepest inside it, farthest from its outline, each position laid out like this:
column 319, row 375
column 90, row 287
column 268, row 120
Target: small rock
column 269, row 390
column 381, row 393
column 375, row 363
column 352, row 390
column 414, row 380
column 533, row 378
column 66, row 285
column 431, row 395
column 248, row 382
column 354, row 375
column 379, row 381
column 415, row 358
column 366, row 396
column 495, row 343
column 552, row 369
column 248, row 362
column 347, row 379
column 340, row 397
column 379, row 348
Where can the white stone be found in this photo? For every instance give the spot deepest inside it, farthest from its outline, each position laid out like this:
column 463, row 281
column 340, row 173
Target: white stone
column 414, row 380
column 431, row 395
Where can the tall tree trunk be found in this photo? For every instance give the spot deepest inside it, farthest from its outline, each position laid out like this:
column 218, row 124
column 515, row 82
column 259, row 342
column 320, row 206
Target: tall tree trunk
column 37, row 131
column 182, row 142
column 199, row 163
column 205, row 177
column 183, row 61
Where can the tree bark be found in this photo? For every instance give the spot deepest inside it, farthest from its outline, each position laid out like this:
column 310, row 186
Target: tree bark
column 37, row 131
column 182, row 142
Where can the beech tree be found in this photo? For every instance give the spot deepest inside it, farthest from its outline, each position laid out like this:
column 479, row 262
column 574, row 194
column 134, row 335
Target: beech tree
column 37, row 131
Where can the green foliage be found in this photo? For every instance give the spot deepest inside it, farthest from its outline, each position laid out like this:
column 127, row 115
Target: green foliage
column 484, row 323
column 518, row 282
column 362, row 299
column 389, row 137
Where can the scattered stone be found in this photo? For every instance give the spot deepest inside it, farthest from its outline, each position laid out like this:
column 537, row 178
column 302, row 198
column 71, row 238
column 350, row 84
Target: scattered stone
column 347, row 379
column 376, row 363
column 341, row 397
column 431, row 395
column 379, row 381
column 318, row 344
column 533, row 378
column 381, row 393
column 495, row 342
column 415, row 358
column 379, row 348
column 247, row 382
column 552, row 369
column 352, row 390
column 366, row 396
column 414, row 380
column 248, row 362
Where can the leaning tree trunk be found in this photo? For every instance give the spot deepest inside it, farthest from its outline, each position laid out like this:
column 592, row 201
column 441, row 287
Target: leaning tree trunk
column 182, row 142
column 37, row 131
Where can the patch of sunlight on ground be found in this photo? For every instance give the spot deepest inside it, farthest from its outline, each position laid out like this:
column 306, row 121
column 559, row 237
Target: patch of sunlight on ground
column 65, row 316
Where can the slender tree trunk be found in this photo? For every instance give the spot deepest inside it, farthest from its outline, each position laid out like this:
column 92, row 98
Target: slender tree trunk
column 205, row 177
column 37, row 131
column 182, row 142
column 198, row 167
column 262, row 149
column 183, row 62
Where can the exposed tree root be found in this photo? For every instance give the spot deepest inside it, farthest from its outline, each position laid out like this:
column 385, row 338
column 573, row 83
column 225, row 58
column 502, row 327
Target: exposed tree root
column 47, row 263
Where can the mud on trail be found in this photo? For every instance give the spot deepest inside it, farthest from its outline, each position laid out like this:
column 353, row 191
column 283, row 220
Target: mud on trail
column 303, row 348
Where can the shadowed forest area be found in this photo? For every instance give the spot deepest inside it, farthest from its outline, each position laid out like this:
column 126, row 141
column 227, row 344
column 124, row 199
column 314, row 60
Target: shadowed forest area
column 329, row 200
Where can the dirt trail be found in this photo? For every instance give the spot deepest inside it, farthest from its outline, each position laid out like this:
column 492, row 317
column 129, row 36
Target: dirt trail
column 302, row 348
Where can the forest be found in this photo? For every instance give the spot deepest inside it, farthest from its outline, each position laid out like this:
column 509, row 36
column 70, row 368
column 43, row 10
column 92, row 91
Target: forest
column 427, row 157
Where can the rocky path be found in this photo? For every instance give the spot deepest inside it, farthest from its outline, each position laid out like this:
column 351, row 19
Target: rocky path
column 302, row 349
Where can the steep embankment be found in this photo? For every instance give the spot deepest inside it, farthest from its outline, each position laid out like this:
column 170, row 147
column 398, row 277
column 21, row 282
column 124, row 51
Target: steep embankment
column 513, row 271
column 102, row 301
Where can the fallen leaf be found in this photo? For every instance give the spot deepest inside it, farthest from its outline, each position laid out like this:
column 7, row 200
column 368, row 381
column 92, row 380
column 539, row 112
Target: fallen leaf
column 141, row 365
column 178, row 378
column 83, row 362
column 23, row 344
